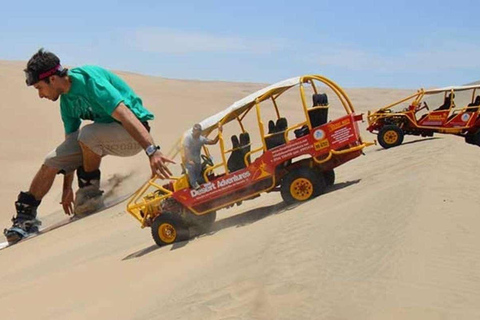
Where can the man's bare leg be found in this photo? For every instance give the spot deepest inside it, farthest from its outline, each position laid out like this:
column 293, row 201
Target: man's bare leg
column 91, row 160
column 42, row 182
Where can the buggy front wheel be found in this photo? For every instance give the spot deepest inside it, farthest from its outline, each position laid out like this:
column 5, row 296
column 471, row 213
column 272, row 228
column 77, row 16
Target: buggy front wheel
column 168, row 228
column 390, row 136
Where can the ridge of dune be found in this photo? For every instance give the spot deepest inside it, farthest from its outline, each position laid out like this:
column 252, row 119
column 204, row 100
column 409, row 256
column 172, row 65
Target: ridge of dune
column 395, row 238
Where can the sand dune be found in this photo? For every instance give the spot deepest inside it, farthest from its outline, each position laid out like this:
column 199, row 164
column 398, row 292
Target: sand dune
column 394, row 239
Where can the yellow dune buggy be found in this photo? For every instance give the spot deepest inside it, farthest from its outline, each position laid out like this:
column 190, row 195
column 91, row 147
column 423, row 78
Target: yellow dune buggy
column 451, row 110
column 281, row 139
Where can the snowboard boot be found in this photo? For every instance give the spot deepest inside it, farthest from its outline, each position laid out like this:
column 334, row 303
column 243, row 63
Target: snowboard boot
column 88, row 197
column 25, row 222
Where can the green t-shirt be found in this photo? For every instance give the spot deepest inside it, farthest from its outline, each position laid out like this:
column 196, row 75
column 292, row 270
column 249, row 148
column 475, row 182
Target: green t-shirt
column 94, row 95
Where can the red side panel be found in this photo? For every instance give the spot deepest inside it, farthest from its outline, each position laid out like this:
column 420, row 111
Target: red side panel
column 434, row 118
column 259, row 175
column 462, row 119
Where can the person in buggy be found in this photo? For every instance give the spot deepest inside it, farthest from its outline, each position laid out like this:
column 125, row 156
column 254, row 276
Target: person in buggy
column 192, row 147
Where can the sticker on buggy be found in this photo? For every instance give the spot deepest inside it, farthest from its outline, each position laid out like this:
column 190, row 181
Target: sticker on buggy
column 321, row 145
column 319, row 134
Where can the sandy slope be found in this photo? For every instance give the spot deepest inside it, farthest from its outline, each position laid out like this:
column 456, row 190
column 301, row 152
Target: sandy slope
column 395, row 239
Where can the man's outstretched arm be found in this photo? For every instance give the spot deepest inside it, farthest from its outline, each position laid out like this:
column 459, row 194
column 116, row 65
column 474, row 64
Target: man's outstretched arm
column 67, row 194
column 136, row 129
column 215, row 140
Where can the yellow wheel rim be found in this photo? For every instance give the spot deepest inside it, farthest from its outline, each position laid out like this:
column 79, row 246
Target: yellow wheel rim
column 390, row 137
column 167, row 232
column 301, row 189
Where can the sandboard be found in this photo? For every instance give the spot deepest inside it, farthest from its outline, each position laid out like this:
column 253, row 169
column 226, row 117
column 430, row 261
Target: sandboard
column 107, row 203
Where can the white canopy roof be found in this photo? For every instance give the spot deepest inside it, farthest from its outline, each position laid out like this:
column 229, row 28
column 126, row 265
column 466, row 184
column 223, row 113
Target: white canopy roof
column 241, row 105
column 454, row 88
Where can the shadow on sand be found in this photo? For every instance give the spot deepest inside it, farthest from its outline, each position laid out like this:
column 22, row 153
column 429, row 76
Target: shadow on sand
column 410, row 142
column 239, row 220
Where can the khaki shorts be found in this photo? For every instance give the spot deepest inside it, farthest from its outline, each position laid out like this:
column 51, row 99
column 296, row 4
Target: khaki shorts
column 102, row 138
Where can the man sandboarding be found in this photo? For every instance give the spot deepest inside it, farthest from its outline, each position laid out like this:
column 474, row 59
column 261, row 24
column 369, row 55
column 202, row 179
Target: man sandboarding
column 120, row 127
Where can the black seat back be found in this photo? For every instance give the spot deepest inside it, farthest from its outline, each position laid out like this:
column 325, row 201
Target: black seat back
column 281, row 124
column 271, row 127
column 446, row 103
column 270, row 142
column 277, row 133
column 235, row 161
column 475, row 103
column 319, row 116
column 320, row 99
column 281, row 127
column 245, row 144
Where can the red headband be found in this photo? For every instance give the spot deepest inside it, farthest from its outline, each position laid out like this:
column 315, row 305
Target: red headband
column 49, row 72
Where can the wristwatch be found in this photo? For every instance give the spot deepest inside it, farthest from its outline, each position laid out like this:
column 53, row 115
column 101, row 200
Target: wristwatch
column 151, row 149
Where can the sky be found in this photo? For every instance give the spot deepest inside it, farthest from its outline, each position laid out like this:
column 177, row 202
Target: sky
column 401, row 44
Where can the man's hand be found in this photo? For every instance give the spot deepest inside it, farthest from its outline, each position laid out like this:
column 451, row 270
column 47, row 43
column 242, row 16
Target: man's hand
column 158, row 164
column 67, row 201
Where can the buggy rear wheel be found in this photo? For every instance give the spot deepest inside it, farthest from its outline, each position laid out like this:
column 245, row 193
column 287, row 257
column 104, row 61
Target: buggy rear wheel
column 473, row 138
column 301, row 185
column 168, row 228
column 390, row 136
column 329, row 177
